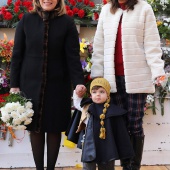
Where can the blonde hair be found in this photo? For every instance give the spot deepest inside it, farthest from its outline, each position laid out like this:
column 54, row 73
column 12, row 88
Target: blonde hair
column 60, row 7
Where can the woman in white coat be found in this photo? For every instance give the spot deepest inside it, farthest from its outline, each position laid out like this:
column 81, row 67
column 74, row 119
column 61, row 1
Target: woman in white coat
column 127, row 53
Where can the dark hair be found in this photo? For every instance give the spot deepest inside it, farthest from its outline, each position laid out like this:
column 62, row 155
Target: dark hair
column 129, row 5
column 96, row 87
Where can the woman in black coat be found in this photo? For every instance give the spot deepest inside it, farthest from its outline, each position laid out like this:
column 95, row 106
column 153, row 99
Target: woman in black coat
column 45, row 64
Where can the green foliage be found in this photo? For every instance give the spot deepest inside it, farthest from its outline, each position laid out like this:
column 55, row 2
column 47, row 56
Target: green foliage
column 160, row 7
column 15, row 97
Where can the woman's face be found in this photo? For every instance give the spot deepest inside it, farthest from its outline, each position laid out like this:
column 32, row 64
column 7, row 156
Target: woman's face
column 48, row 5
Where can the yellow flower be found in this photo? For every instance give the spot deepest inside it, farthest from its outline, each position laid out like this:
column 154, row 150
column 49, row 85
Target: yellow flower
column 83, row 45
column 159, row 23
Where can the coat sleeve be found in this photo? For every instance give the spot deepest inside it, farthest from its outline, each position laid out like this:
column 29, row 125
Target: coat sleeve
column 97, row 69
column 17, row 55
column 152, row 47
column 72, row 49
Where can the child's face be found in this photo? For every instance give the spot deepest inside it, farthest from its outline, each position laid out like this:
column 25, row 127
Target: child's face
column 99, row 95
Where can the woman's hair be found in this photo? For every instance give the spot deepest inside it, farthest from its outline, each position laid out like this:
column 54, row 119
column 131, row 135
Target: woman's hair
column 60, row 7
column 129, row 5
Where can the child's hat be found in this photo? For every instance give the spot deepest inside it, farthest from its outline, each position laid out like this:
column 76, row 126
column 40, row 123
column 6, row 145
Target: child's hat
column 101, row 82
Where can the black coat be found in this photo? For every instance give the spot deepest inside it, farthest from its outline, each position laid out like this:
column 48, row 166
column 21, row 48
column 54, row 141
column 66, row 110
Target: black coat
column 117, row 144
column 63, row 69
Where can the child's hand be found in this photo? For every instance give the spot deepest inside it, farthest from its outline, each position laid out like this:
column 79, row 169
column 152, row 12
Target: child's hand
column 80, row 90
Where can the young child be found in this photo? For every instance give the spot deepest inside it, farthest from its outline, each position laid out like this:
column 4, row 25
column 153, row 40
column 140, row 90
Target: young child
column 106, row 138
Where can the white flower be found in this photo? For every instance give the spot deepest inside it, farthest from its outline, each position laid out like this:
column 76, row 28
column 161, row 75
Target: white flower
column 16, row 121
column 21, row 109
column 150, row 99
column 23, row 117
column 5, row 118
column 88, row 67
column 29, row 112
column 15, row 114
column 1, row 80
column 28, row 105
column 20, row 127
column 28, row 121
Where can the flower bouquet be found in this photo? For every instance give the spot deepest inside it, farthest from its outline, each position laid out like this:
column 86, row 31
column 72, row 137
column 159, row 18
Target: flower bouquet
column 16, row 112
column 14, row 10
column 164, row 28
column 4, row 82
column 6, row 47
column 80, row 10
column 86, row 50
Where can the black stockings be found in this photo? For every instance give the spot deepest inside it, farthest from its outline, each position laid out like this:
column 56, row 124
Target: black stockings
column 53, row 145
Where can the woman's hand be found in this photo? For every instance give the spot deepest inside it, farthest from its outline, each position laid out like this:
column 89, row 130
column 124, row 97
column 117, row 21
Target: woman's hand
column 14, row 90
column 161, row 81
column 80, row 90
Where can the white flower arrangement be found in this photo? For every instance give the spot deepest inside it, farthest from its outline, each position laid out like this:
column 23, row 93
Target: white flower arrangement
column 17, row 111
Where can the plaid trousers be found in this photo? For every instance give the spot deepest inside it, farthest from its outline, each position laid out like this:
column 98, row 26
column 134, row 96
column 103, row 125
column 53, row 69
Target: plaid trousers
column 133, row 103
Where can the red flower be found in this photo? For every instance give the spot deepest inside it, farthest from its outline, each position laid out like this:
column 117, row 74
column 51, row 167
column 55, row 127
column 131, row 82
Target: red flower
column 96, row 16
column 27, row 4
column 91, row 4
column 8, row 16
column 75, row 10
column 20, row 15
column 80, row 9
column 9, row 2
column 70, row 13
column 2, row 97
column 104, row 2
column 3, row 10
column 30, row 8
column 16, row 9
column 67, row 7
column 17, row 3
column 86, row 2
column 72, row 2
column 81, row 13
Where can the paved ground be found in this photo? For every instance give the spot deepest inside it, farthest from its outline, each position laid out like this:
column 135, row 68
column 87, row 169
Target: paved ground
column 117, row 168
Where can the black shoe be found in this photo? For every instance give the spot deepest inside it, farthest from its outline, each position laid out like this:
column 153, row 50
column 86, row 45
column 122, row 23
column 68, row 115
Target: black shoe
column 126, row 164
column 137, row 143
column 127, row 167
column 135, row 168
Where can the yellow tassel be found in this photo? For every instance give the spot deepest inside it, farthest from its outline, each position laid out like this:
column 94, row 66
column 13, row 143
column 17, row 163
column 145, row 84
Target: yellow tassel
column 102, row 133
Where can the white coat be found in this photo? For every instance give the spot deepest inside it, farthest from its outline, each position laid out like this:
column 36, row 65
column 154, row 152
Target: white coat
column 140, row 47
